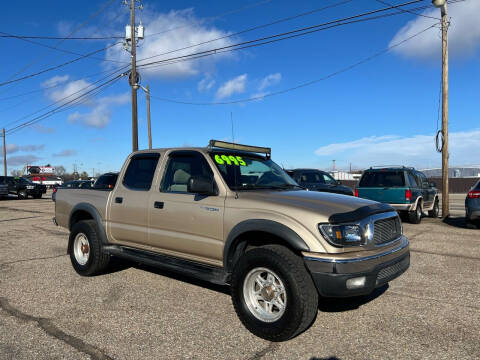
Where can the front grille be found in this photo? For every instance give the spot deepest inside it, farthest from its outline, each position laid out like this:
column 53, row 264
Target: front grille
column 391, row 272
column 386, row 230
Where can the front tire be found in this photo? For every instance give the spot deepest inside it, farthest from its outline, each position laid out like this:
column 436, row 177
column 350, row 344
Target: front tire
column 85, row 249
column 22, row 194
column 416, row 216
column 273, row 294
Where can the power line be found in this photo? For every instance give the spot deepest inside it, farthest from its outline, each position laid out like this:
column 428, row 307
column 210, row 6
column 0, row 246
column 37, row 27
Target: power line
column 6, row 35
column 338, row 72
column 65, row 104
column 252, row 28
column 94, row 15
column 302, row 31
column 58, row 66
column 410, row 12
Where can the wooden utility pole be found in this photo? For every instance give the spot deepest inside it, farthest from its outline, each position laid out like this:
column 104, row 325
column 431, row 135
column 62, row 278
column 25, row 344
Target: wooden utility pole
column 442, row 4
column 133, row 78
column 148, row 119
column 4, row 154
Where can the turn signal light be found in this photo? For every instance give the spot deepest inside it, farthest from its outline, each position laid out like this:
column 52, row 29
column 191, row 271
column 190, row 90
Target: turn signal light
column 356, row 192
column 474, row 194
column 408, row 194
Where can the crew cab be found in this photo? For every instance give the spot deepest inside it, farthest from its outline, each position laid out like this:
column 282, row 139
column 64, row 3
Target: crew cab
column 228, row 214
column 407, row 190
column 22, row 187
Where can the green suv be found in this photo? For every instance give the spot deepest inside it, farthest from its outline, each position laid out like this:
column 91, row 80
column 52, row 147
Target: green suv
column 407, row 190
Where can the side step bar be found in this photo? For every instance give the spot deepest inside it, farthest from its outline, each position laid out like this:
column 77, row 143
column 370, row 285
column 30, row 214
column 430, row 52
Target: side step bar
column 208, row 273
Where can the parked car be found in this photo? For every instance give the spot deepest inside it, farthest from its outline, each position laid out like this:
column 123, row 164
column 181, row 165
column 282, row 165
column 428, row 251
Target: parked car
column 472, row 205
column 317, row 180
column 23, row 188
column 3, row 189
column 106, row 181
column 407, row 190
column 228, row 214
column 73, row 184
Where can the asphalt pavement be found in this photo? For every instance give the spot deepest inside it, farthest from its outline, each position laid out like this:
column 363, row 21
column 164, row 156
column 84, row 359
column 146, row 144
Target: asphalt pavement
column 47, row 311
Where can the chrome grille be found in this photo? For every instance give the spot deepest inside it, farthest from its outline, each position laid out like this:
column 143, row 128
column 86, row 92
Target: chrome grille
column 386, row 230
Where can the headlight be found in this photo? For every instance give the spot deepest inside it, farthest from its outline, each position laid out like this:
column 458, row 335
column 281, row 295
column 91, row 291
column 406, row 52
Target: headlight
column 343, row 235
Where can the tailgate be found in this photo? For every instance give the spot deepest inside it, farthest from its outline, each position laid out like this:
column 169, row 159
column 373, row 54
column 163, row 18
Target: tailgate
column 384, row 195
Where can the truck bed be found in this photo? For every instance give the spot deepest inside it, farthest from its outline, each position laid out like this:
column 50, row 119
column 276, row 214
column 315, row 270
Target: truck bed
column 66, row 199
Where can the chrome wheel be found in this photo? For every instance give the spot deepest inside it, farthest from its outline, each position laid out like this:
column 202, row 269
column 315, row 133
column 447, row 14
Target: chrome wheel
column 81, row 248
column 265, row 294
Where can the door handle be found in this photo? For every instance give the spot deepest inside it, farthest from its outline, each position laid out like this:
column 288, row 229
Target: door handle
column 158, row 204
column 118, row 200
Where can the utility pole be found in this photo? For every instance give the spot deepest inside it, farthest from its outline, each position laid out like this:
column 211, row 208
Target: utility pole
column 4, row 154
column 333, row 165
column 149, row 120
column 133, row 77
column 442, row 4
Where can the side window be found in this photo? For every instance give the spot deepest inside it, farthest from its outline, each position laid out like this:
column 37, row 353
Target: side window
column 329, row 180
column 412, row 180
column 311, row 177
column 424, row 180
column 140, row 171
column 181, row 167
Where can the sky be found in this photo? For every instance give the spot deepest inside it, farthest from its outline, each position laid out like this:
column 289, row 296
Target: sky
column 381, row 111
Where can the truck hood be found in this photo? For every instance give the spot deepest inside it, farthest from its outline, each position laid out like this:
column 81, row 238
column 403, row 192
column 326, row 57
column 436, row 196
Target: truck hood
column 332, row 207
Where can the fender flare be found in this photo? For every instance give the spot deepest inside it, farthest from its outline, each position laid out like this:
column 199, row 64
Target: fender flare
column 268, row 226
column 93, row 212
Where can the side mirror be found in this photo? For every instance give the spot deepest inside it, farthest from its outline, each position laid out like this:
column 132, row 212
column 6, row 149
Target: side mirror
column 433, row 184
column 201, row 185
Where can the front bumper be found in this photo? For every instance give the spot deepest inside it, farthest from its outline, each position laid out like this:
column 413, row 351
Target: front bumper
column 330, row 274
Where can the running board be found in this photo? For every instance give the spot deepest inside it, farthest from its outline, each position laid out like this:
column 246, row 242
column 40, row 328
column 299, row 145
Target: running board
column 204, row 272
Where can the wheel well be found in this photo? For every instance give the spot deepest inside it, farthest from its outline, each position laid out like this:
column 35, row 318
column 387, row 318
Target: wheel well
column 79, row 215
column 250, row 240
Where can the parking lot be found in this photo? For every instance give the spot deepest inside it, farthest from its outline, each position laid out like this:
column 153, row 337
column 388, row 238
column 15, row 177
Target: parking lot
column 47, row 311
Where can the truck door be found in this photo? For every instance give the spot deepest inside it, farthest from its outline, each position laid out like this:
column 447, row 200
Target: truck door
column 127, row 211
column 185, row 224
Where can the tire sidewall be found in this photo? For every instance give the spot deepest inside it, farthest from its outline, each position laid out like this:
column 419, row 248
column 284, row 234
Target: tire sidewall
column 90, row 233
column 22, row 194
column 289, row 317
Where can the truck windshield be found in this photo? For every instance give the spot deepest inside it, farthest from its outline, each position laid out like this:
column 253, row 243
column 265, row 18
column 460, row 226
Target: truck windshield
column 382, row 179
column 249, row 172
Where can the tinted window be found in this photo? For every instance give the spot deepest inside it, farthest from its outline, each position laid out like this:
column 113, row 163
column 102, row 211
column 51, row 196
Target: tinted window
column 106, row 181
column 382, row 179
column 477, row 186
column 328, row 179
column 412, row 180
column 312, row 177
column 140, row 171
column 181, row 167
column 423, row 179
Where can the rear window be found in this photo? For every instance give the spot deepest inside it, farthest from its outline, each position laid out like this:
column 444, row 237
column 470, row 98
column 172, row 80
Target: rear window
column 106, row 181
column 477, row 186
column 382, row 179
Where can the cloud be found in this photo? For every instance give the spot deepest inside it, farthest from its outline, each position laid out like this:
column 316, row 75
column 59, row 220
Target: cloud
column 41, row 129
column 22, row 160
column 464, row 33
column 69, row 91
column 205, row 84
column 416, row 150
column 54, row 81
column 65, row 153
column 270, row 80
column 100, row 114
column 13, row 148
column 233, row 86
column 188, row 30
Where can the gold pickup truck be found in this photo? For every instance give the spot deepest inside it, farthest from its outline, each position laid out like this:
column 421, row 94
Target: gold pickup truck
column 228, row 214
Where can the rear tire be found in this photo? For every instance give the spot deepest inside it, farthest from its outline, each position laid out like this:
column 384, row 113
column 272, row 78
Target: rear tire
column 85, row 249
column 435, row 210
column 416, row 216
column 273, row 294
column 37, row 196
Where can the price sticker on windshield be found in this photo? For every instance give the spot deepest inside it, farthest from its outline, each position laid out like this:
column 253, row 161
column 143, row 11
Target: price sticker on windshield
column 230, row 160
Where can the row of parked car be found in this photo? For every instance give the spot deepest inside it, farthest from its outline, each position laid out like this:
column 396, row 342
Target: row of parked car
column 21, row 187
column 104, row 182
column 406, row 189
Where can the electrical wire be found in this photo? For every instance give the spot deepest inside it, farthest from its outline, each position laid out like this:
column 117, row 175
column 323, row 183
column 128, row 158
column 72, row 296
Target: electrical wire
column 251, row 29
column 64, row 105
column 338, row 72
column 94, row 15
column 6, row 35
column 409, row 12
column 58, row 66
column 302, row 31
